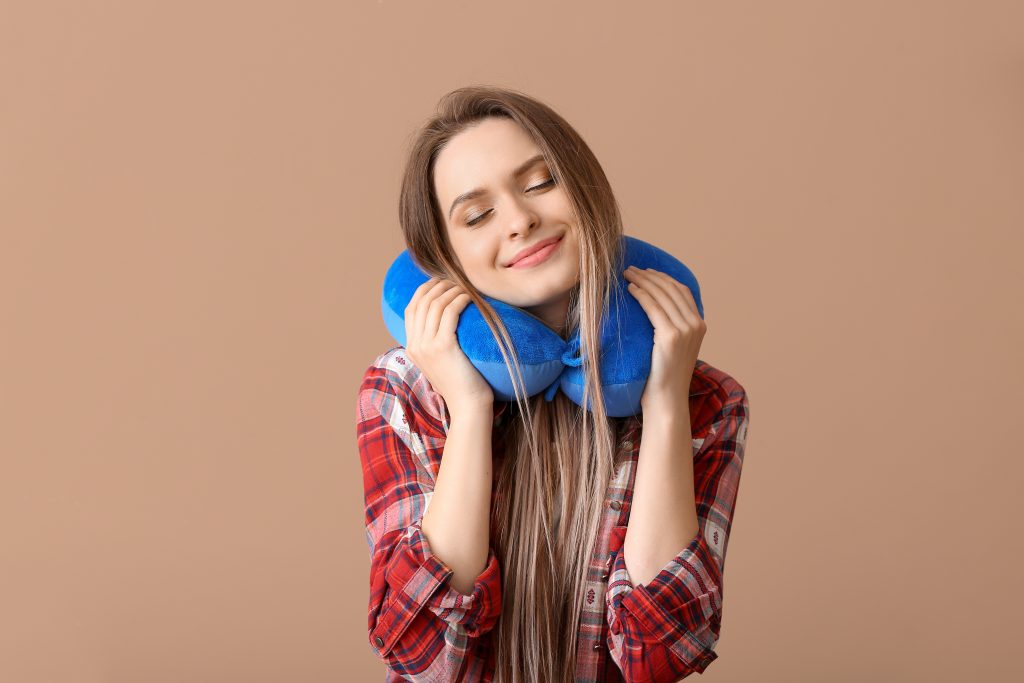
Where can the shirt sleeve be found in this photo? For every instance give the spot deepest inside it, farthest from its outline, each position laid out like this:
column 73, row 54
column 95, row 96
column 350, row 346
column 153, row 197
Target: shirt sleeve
column 667, row 629
column 420, row 626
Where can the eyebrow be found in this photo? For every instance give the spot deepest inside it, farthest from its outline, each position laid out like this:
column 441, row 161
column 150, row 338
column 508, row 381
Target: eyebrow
column 473, row 194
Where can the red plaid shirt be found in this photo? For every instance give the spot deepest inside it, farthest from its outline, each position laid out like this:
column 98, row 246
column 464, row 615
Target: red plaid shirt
column 425, row 630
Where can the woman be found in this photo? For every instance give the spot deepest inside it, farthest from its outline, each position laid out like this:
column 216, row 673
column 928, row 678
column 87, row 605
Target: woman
column 509, row 559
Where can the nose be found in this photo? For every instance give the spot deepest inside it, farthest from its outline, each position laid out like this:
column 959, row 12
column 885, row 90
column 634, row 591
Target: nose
column 521, row 219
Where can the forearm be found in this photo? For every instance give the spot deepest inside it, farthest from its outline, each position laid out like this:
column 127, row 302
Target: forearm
column 457, row 521
column 663, row 516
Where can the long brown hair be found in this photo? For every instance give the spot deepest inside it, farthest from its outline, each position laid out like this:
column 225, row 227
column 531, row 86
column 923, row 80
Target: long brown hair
column 558, row 456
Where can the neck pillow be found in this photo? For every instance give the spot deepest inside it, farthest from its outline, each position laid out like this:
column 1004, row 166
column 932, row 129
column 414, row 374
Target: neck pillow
column 548, row 362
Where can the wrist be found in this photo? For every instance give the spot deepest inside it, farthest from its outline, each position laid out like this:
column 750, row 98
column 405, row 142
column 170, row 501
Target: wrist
column 469, row 409
column 666, row 409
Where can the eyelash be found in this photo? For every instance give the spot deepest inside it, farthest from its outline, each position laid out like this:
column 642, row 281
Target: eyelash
column 476, row 220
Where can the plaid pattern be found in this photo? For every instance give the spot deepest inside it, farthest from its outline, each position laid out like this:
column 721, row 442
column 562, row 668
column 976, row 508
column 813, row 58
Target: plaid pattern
column 424, row 630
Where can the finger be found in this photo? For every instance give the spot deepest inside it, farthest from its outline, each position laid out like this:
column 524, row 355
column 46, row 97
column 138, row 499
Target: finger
column 436, row 307
column 450, row 318
column 681, row 296
column 412, row 325
column 415, row 321
column 654, row 311
column 423, row 307
column 687, row 295
column 443, row 303
column 418, row 294
column 664, row 294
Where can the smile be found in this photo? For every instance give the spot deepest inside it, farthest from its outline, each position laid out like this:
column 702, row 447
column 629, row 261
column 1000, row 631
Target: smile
column 538, row 257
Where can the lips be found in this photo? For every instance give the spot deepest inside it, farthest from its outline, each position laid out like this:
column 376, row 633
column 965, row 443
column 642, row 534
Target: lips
column 532, row 250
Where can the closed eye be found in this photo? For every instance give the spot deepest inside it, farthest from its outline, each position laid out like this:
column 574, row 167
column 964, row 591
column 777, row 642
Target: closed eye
column 546, row 183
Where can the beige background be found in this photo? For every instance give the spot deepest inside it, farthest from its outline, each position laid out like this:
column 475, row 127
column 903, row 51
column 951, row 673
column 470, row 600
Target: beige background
column 198, row 203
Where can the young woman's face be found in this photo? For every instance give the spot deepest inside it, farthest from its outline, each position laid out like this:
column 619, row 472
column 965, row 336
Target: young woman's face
column 495, row 205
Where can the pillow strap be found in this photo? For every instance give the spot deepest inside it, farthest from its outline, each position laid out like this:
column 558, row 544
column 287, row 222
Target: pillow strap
column 571, row 358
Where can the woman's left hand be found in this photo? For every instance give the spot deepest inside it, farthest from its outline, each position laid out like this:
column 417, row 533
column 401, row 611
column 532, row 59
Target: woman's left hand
column 678, row 333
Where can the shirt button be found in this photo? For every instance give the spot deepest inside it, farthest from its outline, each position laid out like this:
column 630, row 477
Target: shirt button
column 597, row 646
column 604, row 576
column 627, row 445
column 616, row 505
column 379, row 641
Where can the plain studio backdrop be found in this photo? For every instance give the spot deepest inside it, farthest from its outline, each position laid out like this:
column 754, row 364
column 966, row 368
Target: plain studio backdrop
column 198, row 203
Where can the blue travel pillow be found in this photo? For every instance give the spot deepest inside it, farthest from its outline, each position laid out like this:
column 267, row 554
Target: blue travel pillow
column 548, row 362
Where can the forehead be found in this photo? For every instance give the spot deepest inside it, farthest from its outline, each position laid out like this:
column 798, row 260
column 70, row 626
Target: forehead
column 481, row 155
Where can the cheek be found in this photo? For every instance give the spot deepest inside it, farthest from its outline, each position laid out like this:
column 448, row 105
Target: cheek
column 573, row 250
column 482, row 255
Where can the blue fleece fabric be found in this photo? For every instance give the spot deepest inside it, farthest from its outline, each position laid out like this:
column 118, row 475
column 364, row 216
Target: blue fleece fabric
column 548, row 362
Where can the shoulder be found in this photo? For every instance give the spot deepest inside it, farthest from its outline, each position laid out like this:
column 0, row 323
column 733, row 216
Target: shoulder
column 394, row 366
column 393, row 379
column 717, row 385
column 715, row 394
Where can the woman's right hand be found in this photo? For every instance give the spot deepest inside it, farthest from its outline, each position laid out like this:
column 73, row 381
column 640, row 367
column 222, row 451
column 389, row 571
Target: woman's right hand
column 431, row 319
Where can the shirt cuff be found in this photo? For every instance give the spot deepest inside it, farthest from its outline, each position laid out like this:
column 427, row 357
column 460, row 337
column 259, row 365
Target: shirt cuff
column 679, row 609
column 417, row 578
